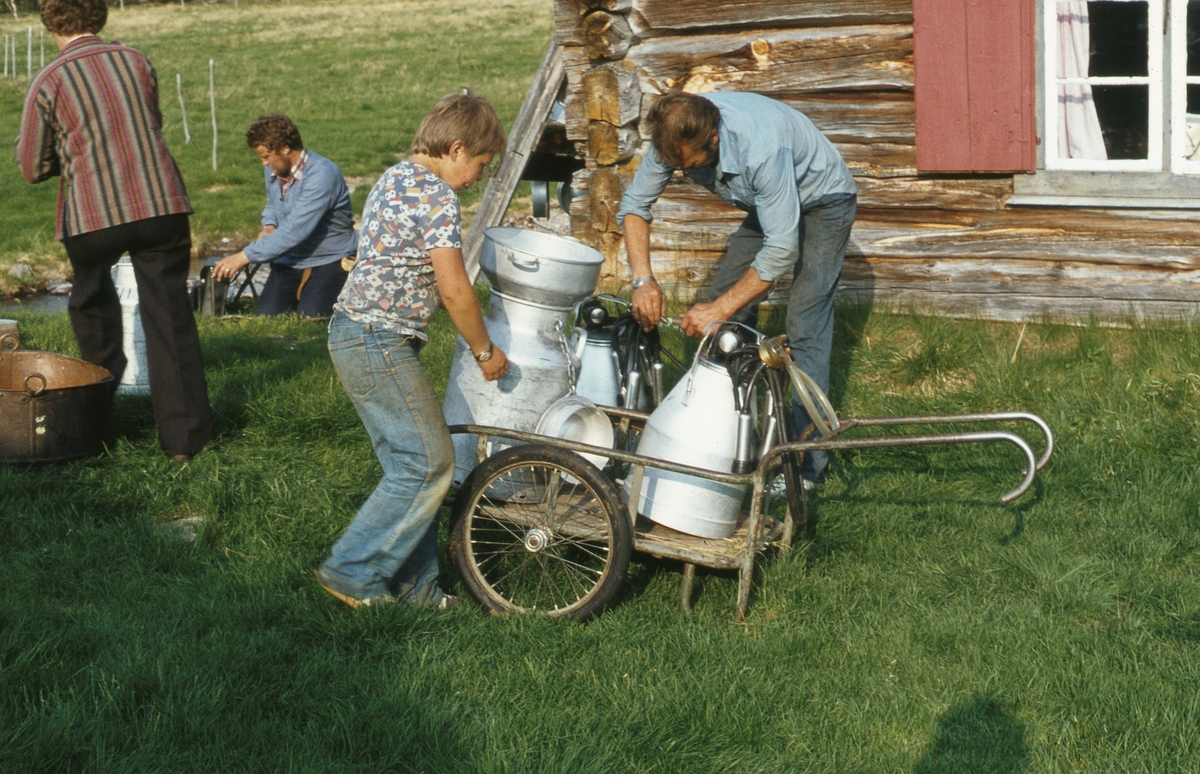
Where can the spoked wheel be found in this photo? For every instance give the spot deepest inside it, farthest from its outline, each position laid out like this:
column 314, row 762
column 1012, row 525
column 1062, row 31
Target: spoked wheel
column 538, row 529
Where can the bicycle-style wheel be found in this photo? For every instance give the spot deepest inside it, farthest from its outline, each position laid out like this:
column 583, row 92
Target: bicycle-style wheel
column 538, row 529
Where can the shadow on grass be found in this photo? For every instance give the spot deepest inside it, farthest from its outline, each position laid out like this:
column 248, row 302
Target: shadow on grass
column 977, row 736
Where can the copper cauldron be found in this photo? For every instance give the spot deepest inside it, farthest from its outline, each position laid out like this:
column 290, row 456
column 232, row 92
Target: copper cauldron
column 52, row 407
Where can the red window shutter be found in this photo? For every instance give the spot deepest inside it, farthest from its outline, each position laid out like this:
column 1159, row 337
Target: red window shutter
column 974, row 72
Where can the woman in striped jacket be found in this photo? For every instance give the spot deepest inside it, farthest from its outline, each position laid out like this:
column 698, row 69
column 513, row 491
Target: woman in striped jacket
column 91, row 118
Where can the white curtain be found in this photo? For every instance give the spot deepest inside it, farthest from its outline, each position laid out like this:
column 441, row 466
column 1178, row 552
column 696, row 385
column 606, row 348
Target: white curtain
column 1079, row 135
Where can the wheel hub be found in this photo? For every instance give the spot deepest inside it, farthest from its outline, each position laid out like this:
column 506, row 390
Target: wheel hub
column 537, row 539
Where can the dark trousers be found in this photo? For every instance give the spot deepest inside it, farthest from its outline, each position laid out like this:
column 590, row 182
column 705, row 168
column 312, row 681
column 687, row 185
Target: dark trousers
column 160, row 249
column 824, row 235
column 316, row 299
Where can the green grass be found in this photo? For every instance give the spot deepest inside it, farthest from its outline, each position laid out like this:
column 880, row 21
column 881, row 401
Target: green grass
column 921, row 627
column 356, row 78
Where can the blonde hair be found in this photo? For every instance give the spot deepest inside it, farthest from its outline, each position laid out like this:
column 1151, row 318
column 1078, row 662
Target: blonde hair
column 463, row 117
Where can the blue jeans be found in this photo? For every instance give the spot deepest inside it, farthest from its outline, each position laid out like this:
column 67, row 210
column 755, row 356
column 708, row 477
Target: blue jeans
column 824, row 234
column 391, row 545
column 316, row 300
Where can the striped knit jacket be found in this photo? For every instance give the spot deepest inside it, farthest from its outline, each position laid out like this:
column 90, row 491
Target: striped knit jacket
column 92, row 118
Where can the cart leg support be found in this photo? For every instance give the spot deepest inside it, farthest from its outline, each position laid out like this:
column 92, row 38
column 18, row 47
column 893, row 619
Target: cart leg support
column 689, row 575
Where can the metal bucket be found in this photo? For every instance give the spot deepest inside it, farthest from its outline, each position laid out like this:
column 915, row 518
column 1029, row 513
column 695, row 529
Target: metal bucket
column 208, row 297
column 540, row 268
column 52, row 407
column 575, row 418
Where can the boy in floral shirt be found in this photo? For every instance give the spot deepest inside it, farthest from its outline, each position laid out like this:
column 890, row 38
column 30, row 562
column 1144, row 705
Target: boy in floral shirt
column 409, row 261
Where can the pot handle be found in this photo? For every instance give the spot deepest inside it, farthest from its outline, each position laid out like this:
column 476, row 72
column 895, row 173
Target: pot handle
column 10, row 342
column 35, row 391
column 521, row 262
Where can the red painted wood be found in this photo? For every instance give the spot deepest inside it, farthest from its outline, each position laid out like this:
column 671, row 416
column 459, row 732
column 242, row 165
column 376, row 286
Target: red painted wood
column 941, row 88
column 974, row 73
column 1000, row 84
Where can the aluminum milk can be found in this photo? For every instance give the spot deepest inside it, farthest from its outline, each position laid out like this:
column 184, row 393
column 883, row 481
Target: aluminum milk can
column 539, row 373
column 599, row 380
column 136, row 378
column 696, row 424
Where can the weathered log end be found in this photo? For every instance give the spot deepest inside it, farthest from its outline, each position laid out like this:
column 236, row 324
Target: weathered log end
column 606, row 35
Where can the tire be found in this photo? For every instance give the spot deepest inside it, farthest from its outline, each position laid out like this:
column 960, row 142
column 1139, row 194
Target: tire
column 538, row 529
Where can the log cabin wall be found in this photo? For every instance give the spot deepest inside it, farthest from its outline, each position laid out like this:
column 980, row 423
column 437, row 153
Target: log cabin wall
column 948, row 244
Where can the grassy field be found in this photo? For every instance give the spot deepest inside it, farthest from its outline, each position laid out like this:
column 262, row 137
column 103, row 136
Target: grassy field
column 356, row 78
column 921, row 627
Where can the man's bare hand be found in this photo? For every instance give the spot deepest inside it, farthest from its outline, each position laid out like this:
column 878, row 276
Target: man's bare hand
column 265, row 230
column 698, row 319
column 648, row 305
column 230, row 265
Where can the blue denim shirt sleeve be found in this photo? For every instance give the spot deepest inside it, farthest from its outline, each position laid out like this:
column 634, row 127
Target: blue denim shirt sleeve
column 316, row 195
column 269, row 218
column 649, row 182
column 777, row 202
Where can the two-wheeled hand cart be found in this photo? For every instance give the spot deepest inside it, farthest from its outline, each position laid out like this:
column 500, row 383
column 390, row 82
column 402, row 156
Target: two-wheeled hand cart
column 537, row 528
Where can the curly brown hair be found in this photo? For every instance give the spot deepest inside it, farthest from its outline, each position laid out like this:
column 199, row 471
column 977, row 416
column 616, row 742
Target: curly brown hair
column 74, row 17
column 274, row 132
column 681, row 120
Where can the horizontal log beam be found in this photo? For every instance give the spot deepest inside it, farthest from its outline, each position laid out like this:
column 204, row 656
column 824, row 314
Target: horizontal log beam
column 799, row 61
column 1061, row 279
column 1024, row 308
column 660, row 16
column 1030, row 241
column 858, row 117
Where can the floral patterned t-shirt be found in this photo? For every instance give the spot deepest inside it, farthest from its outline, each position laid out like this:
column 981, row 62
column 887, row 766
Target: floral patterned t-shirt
column 409, row 212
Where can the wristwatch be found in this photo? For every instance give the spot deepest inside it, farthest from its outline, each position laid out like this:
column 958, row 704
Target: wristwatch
column 639, row 281
column 485, row 355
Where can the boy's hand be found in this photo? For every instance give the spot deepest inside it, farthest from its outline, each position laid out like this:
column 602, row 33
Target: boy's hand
column 496, row 366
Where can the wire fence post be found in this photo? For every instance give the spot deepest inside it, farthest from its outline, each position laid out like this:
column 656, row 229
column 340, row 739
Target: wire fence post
column 29, row 55
column 187, row 134
column 212, row 106
column 5, row 56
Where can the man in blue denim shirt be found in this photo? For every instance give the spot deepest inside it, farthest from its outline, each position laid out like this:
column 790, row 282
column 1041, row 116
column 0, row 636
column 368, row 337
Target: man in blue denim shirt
column 767, row 159
column 308, row 225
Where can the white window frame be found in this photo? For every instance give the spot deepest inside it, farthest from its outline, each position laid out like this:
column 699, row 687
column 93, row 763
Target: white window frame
column 1178, row 22
column 1154, row 80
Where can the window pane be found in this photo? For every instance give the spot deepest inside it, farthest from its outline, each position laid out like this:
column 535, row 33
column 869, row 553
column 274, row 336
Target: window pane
column 1124, row 113
column 1193, row 44
column 1193, row 99
column 1119, row 34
